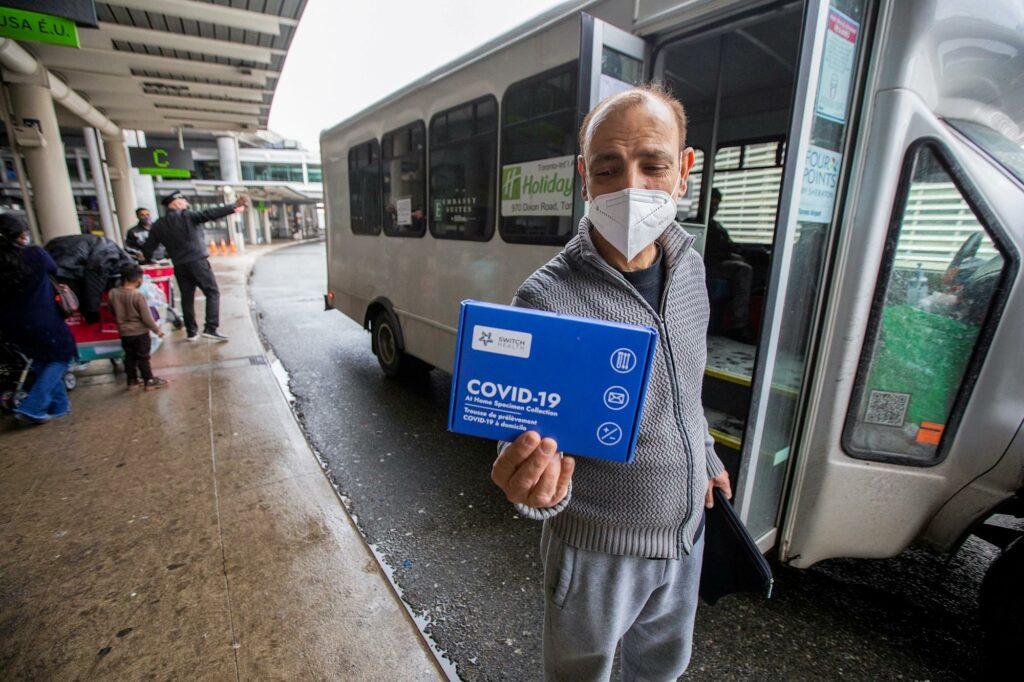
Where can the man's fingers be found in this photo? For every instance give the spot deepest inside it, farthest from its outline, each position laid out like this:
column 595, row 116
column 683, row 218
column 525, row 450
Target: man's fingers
column 564, row 477
column 543, row 493
column 727, row 489
column 529, row 472
column 514, row 454
column 722, row 481
column 709, row 498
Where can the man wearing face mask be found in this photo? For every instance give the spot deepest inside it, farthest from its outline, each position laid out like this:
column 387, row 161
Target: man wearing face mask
column 622, row 543
column 136, row 237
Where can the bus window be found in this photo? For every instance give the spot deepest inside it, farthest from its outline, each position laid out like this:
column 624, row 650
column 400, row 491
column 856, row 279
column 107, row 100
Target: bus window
column 404, row 162
column 364, row 187
column 463, row 156
column 749, row 177
column 538, row 158
column 941, row 274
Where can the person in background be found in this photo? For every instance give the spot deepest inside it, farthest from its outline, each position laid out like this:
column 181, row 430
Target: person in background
column 136, row 237
column 134, row 322
column 725, row 260
column 31, row 320
column 181, row 231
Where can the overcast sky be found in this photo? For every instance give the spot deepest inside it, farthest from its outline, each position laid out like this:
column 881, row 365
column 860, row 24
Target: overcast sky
column 347, row 55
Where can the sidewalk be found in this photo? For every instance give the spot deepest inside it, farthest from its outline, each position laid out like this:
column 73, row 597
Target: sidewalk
column 188, row 532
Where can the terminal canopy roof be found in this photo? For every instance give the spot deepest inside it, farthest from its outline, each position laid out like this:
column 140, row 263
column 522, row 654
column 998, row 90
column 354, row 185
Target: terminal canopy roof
column 160, row 65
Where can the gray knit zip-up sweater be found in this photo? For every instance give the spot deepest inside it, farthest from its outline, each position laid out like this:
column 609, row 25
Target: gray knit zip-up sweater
column 652, row 506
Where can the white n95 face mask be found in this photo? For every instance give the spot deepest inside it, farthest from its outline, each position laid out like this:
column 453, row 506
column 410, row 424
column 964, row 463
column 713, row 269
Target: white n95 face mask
column 631, row 219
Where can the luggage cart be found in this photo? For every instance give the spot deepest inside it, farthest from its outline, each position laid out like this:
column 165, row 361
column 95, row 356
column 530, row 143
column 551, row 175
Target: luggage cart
column 162, row 275
column 101, row 341
column 95, row 341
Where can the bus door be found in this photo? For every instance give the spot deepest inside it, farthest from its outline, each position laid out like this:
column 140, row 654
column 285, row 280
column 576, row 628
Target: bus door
column 768, row 94
column 611, row 60
column 917, row 399
column 825, row 86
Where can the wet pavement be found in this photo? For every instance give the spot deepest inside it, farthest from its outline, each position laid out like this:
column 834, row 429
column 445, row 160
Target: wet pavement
column 188, row 533
column 468, row 565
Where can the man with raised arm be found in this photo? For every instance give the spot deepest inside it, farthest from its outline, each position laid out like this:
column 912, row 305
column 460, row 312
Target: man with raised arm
column 622, row 543
column 181, row 231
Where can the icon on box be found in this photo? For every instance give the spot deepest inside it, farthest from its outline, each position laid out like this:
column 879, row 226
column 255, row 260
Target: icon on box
column 609, row 433
column 623, row 360
column 616, row 398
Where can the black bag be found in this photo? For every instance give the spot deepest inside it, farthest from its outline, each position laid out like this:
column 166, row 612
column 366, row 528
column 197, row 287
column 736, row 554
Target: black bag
column 67, row 302
column 732, row 561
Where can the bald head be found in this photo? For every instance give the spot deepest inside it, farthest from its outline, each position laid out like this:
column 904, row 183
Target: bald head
column 651, row 95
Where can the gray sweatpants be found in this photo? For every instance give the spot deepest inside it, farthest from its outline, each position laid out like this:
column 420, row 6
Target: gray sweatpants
column 592, row 601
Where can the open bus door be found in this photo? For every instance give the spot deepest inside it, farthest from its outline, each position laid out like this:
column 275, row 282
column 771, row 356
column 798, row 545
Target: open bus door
column 913, row 424
column 611, row 60
column 803, row 103
column 770, row 94
column 818, row 144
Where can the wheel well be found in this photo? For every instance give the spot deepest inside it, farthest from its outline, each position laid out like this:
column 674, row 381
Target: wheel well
column 999, row 535
column 376, row 307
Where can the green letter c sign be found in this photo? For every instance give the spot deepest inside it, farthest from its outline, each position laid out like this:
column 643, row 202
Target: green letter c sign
column 158, row 160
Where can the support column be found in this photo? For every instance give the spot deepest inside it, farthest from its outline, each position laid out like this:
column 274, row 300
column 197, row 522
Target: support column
column 230, row 172
column 99, row 182
column 51, row 187
column 227, row 151
column 120, row 171
column 268, row 235
column 234, row 232
column 250, row 224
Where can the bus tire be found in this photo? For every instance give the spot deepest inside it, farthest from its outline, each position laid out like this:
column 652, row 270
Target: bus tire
column 1002, row 609
column 393, row 359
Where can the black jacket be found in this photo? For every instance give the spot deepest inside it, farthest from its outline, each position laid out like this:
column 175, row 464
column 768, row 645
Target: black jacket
column 90, row 265
column 136, row 238
column 182, row 234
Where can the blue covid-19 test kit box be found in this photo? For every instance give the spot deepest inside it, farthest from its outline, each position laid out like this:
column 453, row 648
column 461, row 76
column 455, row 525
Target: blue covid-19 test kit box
column 579, row 381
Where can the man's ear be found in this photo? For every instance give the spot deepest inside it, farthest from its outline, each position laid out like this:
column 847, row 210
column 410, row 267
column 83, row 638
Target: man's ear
column 686, row 159
column 582, row 168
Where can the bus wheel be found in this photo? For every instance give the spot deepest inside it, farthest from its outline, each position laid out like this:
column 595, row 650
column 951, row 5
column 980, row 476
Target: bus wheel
column 385, row 344
column 1002, row 608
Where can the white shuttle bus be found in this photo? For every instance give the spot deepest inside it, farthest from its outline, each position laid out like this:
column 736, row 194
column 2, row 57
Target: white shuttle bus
column 869, row 163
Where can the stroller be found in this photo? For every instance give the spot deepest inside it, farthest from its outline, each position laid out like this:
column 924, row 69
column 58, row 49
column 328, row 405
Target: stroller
column 14, row 375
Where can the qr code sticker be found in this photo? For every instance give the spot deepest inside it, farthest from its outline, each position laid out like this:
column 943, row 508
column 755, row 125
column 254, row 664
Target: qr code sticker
column 887, row 408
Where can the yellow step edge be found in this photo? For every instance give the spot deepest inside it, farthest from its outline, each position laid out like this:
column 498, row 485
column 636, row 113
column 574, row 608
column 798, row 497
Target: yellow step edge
column 743, row 380
column 725, row 375
column 725, row 439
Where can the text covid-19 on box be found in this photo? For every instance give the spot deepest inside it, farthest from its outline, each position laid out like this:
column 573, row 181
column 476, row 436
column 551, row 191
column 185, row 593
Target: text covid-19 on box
column 579, row 381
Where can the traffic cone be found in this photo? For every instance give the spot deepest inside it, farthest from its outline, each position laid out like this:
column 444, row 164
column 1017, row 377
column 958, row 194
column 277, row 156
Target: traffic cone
column 234, row 249
column 223, row 248
column 213, row 248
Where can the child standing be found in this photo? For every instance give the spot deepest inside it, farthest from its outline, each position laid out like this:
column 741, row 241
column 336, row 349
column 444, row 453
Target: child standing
column 134, row 322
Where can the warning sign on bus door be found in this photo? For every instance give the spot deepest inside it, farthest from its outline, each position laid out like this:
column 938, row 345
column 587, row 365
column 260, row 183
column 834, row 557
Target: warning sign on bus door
column 538, row 188
column 836, row 67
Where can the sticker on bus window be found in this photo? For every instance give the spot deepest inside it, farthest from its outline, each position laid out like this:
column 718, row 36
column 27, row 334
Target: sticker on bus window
column 887, row 408
column 836, row 67
column 538, row 188
column 930, row 433
column 403, row 210
column 820, row 182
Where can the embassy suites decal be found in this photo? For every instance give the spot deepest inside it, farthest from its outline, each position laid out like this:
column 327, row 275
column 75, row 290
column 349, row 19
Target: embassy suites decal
column 538, row 188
